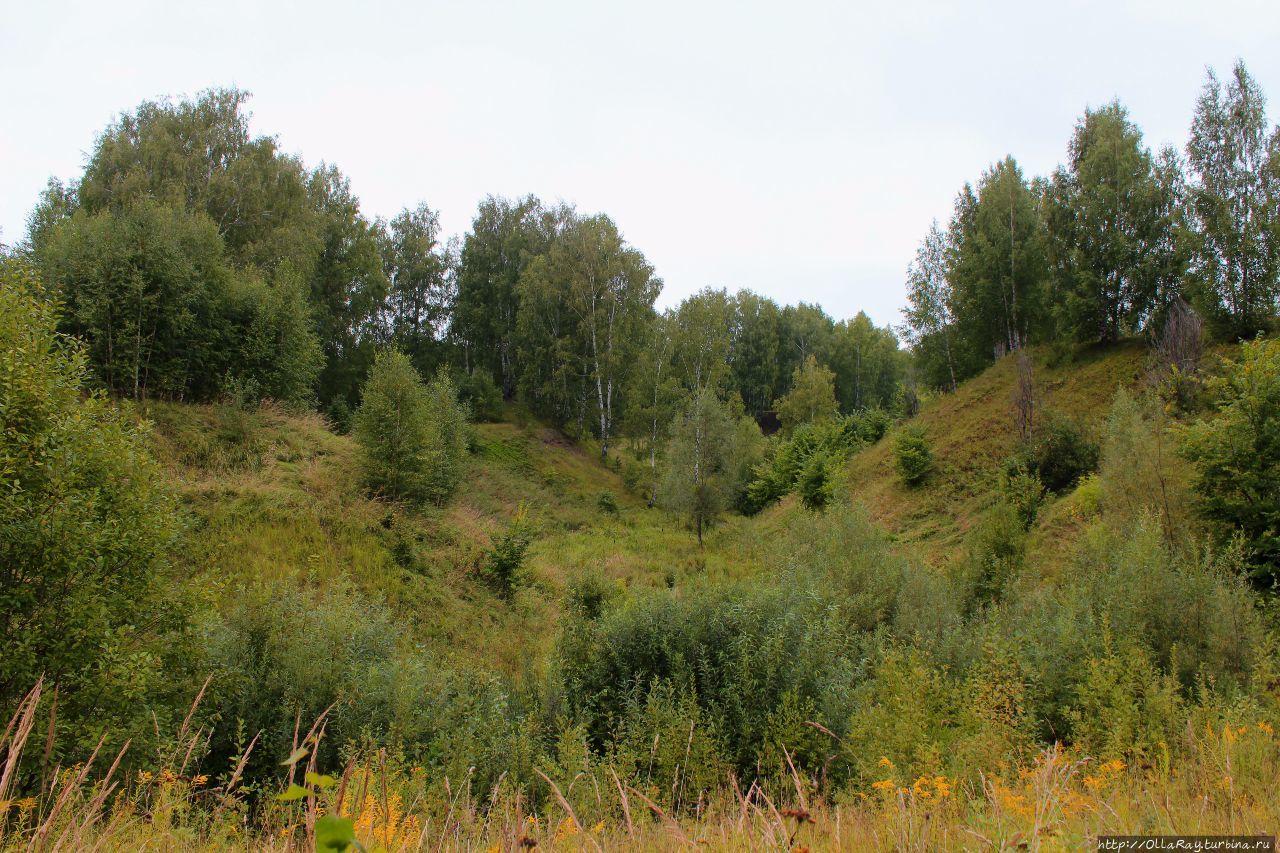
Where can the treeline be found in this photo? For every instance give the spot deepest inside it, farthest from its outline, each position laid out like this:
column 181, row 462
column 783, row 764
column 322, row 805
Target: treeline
column 198, row 262
column 1105, row 245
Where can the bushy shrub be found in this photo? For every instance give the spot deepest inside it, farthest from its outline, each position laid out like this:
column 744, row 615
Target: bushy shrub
column 816, row 482
column 607, row 503
column 912, row 456
column 994, row 554
column 88, row 526
column 786, row 459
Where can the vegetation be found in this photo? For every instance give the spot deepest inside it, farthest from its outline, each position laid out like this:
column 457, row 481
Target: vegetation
column 264, row 587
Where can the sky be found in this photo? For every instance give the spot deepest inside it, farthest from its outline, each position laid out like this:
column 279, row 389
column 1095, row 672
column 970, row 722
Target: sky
column 799, row 149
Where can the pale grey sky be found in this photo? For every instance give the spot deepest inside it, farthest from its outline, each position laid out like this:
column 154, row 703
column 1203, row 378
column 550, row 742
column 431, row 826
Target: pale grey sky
column 796, row 148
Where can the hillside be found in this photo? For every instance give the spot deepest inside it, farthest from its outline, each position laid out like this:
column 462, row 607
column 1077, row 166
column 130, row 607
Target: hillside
column 276, row 497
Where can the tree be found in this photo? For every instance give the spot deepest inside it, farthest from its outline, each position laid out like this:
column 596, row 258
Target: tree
column 698, row 482
column 999, row 269
column 147, row 288
column 88, row 525
column 866, row 362
column 929, row 313
column 655, row 392
column 701, row 341
column 812, row 398
column 348, row 288
column 1234, row 198
column 589, row 300
column 754, row 351
column 419, row 295
column 1106, row 212
column 912, row 455
column 504, row 239
column 1237, row 456
column 412, row 436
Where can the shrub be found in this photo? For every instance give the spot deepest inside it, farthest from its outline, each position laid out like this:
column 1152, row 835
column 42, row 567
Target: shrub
column 816, row 483
column 995, row 550
column 1024, row 492
column 912, row 456
column 607, row 503
column 88, row 523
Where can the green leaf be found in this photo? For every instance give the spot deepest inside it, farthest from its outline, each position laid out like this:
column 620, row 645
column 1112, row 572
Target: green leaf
column 334, row 834
column 296, row 756
column 295, row 792
column 321, row 781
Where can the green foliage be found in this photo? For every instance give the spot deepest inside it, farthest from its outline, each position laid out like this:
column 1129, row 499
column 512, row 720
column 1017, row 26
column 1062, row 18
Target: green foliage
column 812, row 398
column 1024, row 492
column 503, row 562
column 1237, row 456
column 413, row 436
column 1059, row 454
column 88, row 525
column 787, row 459
column 912, row 455
column 608, row 503
column 481, row 395
column 701, row 478
column 815, row 483
column 994, row 554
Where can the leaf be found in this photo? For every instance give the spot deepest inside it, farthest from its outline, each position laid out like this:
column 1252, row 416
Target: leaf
column 321, row 781
column 295, row 792
column 296, row 756
column 334, row 834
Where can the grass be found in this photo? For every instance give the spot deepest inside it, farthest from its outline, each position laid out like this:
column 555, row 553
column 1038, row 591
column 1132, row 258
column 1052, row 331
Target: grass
column 1060, row 801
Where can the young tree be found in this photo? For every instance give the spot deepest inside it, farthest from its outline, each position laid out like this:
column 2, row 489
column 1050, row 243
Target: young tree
column 1234, row 201
column 412, row 436
column 699, row 482
column 812, row 398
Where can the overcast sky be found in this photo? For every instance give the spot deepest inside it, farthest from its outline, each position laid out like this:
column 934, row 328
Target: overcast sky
column 799, row 149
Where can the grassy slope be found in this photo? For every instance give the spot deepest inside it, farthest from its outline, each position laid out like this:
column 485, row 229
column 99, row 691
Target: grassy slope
column 275, row 497
column 973, row 431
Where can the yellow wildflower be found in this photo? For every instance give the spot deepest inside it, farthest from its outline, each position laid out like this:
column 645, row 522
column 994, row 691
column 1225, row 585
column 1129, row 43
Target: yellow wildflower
column 885, row 762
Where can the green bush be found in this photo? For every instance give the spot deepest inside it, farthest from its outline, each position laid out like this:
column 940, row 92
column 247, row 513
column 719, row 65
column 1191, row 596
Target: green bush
column 481, row 395
column 88, row 526
column 912, row 456
column 1059, row 454
column 816, row 482
column 607, row 503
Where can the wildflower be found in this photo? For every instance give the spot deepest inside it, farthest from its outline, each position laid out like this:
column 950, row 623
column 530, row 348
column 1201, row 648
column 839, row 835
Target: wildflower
column 942, row 786
column 1114, row 766
column 1266, row 727
column 598, row 828
column 199, row 780
column 885, row 762
column 567, row 828
column 26, row 805
column 144, row 776
column 884, row 785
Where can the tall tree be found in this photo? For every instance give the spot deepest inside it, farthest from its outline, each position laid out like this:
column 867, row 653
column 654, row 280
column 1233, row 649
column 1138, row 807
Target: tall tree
column 505, row 238
column 754, row 350
column 866, row 362
column 812, row 398
column 348, row 288
column 1106, row 213
column 1234, row 195
column 418, row 267
column 929, row 312
column 701, row 340
column 1000, row 270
